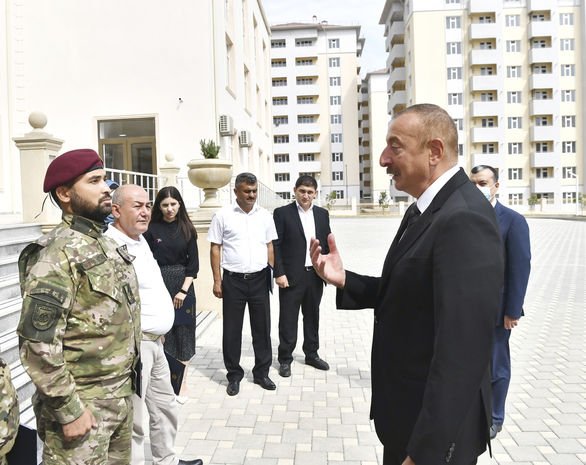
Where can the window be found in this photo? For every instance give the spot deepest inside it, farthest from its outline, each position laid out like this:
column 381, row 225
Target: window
column 452, row 2
column 542, row 147
column 333, row 43
column 515, row 174
column 513, row 46
column 337, row 175
column 566, row 45
column 538, row 17
column 306, row 119
column 486, row 45
column 568, row 95
column 307, row 157
column 285, row 195
column 336, row 137
column 513, row 20
column 279, row 82
column 455, row 99
column 459, row 122
column 281, row 177
column 453, row 22
column 336, row 119
column 335, row 81
column 334, row 62
column 306, row 138
column 304, row 62
column 278, row 62
column 305, row 81
column 338, row 193
column 281, row 158
column 542, row 173
column 567, row 19
column 513, row 71
column 280, row 101
column 454, row 48
column 568, row 70
column 539, row 43
column 568, row 197
column 278, row 43
column 489, row 148
column 487, row 96
column 568, row 172
column 515, row 199
column 541, row 94
column 514, row 122
column 303, row 42
column 460, row 150
column 337, row 156
column 283, row 139
column 305, row 99
column 515, row 148
column 455, row 73
column 278, row 120
column 485, row 19
column 568, row 121
column 569, row 146
column 486, row 70
column 542, row 120
column 335, row 100
column 487, row 122
column 514, row 97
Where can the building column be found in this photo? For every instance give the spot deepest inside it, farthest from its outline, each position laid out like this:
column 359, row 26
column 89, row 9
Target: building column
column 169, row 172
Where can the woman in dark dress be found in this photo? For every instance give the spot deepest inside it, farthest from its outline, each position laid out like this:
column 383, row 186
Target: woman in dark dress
column 173, row 241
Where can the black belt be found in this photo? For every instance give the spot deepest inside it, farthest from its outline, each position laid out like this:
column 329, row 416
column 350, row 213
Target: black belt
column 244, row 275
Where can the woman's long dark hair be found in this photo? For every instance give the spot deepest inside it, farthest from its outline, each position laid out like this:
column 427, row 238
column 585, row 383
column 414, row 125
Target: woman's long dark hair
column 185, row 225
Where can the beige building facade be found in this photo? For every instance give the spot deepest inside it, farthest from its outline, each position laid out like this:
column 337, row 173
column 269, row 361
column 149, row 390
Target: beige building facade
column 315, row 88
column 511, row 73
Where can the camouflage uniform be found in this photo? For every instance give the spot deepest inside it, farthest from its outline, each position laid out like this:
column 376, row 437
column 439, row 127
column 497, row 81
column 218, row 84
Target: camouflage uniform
column 79, row 339
column 8, row 412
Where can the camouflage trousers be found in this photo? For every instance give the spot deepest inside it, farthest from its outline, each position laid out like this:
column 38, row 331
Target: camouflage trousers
column 109, row 443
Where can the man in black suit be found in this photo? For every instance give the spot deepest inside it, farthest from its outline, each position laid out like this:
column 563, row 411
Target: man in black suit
column 434, row 306
column 298, row 283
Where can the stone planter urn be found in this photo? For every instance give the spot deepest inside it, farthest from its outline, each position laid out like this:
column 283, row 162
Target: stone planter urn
column 210, row 174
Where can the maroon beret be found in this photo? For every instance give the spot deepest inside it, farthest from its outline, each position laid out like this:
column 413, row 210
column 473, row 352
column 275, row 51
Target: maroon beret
column 68, row 166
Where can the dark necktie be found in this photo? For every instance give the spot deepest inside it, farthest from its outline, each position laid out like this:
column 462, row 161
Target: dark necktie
column 411, row 217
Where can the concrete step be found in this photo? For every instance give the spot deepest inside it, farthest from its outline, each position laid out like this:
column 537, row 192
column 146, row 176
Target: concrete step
column 9, row 288
column 10, row 232
column 9, row 265
column 9, row 346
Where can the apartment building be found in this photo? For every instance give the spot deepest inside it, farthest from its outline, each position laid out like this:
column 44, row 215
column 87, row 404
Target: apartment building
column 315, row 83
column 373, row 125
column 511, row 74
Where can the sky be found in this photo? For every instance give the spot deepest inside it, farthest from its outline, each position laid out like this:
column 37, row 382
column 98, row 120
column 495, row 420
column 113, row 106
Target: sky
column 365, row 13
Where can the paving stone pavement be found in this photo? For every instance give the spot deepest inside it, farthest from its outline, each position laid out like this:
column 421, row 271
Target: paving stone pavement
column 321, row 418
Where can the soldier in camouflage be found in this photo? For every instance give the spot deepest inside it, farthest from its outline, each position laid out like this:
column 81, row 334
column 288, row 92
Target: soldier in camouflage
column 8, row 412
column 80, row 324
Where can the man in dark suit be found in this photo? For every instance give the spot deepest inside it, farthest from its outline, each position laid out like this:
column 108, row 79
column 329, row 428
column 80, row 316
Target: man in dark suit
column 515, row 236
column 435, row 304
column 298, row 283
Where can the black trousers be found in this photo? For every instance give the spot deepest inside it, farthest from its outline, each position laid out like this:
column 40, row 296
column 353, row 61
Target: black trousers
column 237, row 292
column 393, row 457
column 307, row 294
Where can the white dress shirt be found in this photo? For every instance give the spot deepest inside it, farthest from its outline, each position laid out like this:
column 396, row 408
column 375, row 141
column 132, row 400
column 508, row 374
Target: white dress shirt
column 308, row 223
column 428, row 195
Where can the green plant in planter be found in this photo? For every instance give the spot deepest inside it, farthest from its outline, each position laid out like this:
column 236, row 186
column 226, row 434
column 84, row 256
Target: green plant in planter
column 209, row 149
column 533, row 200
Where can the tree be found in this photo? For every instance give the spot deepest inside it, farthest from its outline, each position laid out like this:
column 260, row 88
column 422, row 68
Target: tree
column 383, row 200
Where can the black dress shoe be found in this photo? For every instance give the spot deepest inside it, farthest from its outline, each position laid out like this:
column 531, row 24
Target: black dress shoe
column 494, row 430
column 317, row 363
column 190, row 462
column 265, row 383
column 285, row 370
column 233, row 388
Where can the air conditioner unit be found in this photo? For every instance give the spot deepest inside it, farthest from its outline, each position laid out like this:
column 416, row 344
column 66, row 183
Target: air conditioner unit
column 226, row 125
column 244, row 139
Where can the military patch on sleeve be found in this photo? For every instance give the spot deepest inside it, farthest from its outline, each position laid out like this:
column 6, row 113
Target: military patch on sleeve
column 44, row 316
column 129, row 294
column 126, row 256
column 39, row 320
column 49, row 293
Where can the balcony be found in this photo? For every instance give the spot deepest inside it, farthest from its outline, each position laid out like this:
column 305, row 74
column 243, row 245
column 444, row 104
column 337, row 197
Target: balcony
column 539, row 5
column 485, row 109
column 541, row 55
column 541, row 81
column 307, row 147
column 478, row 6
column 398, row 74
column 397, row 52
column 397, row 29
column 396, row 13
column 544, row 160
column 397, row 98
column 308, row 108
column 306, row 89
column 542, row 107
column 543, row 133
column 540, row 29
column 307, row 128
column 542, row 185
column 307, row 70
column 478, row 83
column 480, row 135
column 484, row 57
column 483, row 31
column 310, row 166
column 490, row 159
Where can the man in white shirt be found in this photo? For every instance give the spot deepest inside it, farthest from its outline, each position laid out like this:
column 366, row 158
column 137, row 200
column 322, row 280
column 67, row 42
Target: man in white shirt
column 241, row 238
column 131, row 208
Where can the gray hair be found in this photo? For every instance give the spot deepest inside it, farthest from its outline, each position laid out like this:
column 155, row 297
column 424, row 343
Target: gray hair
column 245, row 178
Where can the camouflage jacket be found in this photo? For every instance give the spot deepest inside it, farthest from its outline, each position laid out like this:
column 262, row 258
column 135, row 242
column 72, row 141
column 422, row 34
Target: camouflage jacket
column 80, row 323
column 9, row 415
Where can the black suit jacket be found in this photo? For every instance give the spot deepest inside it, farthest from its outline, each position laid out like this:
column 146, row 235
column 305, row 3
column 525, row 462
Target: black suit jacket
column 290, row 248
column 435, row 307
